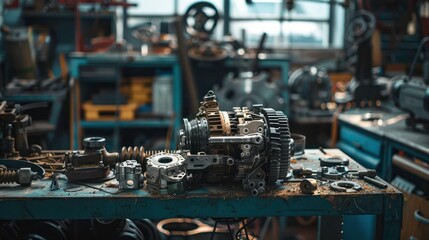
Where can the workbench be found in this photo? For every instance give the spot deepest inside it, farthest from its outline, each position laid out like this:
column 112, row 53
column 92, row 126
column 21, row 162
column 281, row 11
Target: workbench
column 103, row 200
column 373, row 143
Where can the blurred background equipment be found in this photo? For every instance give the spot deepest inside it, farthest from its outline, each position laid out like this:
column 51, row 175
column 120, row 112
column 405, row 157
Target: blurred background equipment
column 310, row 91
column 363, row 88
column 412, row 94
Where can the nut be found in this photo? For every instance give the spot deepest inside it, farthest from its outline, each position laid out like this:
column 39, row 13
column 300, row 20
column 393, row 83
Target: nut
column 25, row 176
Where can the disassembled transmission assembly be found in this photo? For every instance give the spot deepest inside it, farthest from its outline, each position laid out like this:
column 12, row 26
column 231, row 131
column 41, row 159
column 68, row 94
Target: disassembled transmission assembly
column 247, row 145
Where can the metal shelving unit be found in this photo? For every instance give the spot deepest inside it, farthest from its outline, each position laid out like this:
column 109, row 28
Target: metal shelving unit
column 114, row 63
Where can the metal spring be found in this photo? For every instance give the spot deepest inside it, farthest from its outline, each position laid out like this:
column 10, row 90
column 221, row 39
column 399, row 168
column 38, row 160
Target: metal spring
column 130, row 153
column 8, row 176
column 139, row 153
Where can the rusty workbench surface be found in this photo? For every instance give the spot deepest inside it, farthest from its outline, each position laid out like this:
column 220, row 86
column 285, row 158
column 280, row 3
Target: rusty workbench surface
column 221, row 200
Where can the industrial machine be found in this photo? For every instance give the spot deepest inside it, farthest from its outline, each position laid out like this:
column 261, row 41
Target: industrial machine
column 13, row 125
column 363, row 89
column 411, row 94
column 250, row 85
column 310, row 91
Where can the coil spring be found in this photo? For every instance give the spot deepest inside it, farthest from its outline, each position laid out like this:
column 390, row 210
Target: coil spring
column 139, row 153
column 8, row 176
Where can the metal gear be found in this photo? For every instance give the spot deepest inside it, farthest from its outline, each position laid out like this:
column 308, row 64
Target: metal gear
column 285, row 141
column 274, row 156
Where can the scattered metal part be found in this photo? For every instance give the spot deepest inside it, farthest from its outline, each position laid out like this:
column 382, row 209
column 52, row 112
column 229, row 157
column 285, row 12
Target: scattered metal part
column 23, row 176
column 323, row 151
column 335, row 172
column 166, row 173
column 331, row 161
column 345, row 186
column 375, row 182
column 364, row 173
column 91, row 163
column 308, row 186
column 129, row 174
column 54, row 183
column 303, row 172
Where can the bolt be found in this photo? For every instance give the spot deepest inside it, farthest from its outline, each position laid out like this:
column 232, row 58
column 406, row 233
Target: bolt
column 24, row 176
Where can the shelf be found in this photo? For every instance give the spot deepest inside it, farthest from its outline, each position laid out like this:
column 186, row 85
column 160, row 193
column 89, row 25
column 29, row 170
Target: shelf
column 48, row 96
column 62, row 15
column 141, row 123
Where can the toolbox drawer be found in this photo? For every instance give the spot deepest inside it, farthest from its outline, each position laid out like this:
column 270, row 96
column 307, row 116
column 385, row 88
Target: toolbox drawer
column 416, row 217
column 361, row 157
column 361, row 141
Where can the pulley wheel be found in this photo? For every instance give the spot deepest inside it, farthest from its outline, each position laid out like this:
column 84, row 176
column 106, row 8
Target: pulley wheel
column 201, row 17
column 360, row 27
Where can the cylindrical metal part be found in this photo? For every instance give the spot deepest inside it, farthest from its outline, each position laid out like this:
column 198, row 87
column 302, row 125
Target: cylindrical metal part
column 20, row 54
column 308, row 186
column 375, row 182
column 298, row 144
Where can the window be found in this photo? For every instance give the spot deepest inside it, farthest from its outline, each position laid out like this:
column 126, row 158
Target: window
column 310, row 24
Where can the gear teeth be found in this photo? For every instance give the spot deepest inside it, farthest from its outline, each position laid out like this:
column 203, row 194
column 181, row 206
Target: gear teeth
column 279, row 156
column 233, row 122
column 284, row 139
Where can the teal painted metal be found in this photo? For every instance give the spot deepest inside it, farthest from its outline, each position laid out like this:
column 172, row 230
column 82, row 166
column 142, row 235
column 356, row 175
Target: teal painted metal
column 363, row 142
column 363, row 158
column 161, row 123
column 391, row 136
column 141, row 205
column 394, row 147
column 120, row 61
